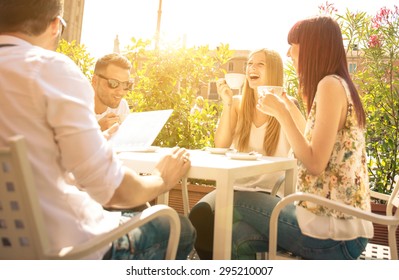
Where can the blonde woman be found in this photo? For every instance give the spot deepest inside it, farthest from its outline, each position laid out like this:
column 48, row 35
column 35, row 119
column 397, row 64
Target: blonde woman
column 244, row 128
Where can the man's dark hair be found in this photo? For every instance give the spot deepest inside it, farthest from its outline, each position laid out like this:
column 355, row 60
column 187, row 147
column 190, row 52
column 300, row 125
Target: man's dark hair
column 30, row 17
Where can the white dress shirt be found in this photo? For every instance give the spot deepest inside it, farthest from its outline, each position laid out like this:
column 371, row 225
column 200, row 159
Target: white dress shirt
column 45, row 97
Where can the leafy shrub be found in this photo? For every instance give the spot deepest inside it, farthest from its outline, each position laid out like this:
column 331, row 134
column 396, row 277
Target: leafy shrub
column 79, row 55
column 379, row 83
column 172, row 79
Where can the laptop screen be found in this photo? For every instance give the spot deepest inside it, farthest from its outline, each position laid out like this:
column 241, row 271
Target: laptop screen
column 139, row 130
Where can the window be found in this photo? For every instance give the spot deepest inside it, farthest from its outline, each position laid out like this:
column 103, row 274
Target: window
column 352, row 67
column 231, row 67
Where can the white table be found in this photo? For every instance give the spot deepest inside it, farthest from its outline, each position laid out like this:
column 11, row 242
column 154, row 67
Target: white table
column 224, row 171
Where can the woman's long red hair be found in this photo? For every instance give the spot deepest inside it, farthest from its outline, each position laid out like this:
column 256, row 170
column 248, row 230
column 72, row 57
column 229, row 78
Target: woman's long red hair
column 322, row 53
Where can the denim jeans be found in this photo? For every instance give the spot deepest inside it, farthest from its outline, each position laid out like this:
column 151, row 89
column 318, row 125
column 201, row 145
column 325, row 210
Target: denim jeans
column 251, row 218
column 149, row 242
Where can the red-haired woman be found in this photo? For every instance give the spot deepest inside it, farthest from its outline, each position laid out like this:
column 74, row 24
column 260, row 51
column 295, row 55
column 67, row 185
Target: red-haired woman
column 330, row 147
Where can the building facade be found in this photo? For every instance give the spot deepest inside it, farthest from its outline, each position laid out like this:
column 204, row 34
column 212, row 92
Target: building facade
column 236, row 64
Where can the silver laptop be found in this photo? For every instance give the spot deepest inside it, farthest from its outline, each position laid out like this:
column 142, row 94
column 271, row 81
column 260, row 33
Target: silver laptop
column 139, row 130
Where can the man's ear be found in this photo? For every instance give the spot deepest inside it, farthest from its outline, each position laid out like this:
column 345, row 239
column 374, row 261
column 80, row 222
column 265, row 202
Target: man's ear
column 55, row 27
column 94, row 80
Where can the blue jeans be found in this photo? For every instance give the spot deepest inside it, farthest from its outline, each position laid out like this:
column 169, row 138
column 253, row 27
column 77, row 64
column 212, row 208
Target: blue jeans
column 149, row 242
column 251, row 218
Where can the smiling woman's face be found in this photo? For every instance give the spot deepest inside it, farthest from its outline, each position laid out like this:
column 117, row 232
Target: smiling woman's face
column 256, row 70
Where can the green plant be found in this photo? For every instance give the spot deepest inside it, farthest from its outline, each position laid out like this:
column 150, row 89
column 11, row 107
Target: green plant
column 171, row 79
column 79, row 55
column 291, row 85
column 379, row 82
column 203, row 125
column 375, row 41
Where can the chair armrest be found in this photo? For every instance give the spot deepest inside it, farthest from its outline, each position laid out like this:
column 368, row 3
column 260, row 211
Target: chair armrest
column 100, row 241
column 375, row 218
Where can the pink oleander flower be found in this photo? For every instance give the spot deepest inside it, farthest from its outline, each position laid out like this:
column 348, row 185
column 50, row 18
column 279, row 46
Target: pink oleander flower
column 374, row 42
column 327, row 8
column 385, row 17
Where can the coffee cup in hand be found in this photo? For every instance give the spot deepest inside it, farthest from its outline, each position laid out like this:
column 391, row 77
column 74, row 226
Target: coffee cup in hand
column 262, row 90
column 235, row 80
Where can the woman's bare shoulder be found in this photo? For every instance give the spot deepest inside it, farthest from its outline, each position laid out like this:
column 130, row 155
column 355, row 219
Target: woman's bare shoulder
column 330, row 81
column 331, row 90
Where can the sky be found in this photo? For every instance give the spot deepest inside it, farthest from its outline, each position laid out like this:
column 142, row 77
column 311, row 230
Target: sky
column 243, row 24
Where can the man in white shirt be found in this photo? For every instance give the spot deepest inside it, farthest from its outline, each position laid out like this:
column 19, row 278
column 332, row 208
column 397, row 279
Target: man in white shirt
column 45, row 97
column 111, row 82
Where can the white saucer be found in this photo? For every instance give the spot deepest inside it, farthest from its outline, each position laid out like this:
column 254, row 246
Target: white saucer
column 219, row 151
column 244, row 156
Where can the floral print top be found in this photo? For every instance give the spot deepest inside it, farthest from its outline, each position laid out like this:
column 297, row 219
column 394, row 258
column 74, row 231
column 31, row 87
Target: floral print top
column 346, row 178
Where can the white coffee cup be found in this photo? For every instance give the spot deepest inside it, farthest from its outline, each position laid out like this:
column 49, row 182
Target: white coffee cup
column 235, row 80
column 270, row 89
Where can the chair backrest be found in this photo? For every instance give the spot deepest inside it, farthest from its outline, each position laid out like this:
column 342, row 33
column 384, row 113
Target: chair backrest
column 21, row 220
column 385, row 234
column 393, row 202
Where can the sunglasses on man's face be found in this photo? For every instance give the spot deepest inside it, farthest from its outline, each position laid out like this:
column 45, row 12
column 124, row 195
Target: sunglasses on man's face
column 113, row 83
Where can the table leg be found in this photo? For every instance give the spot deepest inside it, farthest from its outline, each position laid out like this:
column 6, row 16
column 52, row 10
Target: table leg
column 290, row 181
column 163, row 198
column 184, row 190
column 223, row 220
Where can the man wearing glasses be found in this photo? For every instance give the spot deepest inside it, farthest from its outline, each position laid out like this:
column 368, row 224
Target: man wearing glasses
column 111, row 82
column 46, row 98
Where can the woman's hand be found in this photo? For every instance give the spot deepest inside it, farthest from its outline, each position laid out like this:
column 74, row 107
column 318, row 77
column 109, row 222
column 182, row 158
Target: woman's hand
column 273, row 104
column 270, row 104
column 224, row 91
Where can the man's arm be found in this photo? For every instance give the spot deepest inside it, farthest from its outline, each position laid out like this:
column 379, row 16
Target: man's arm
column 136, row 190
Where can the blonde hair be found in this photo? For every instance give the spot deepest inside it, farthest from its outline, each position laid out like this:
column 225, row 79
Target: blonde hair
column 246, row 113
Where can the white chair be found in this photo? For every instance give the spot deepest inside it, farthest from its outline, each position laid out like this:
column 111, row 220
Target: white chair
column 372, row 251
column 22, row 234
